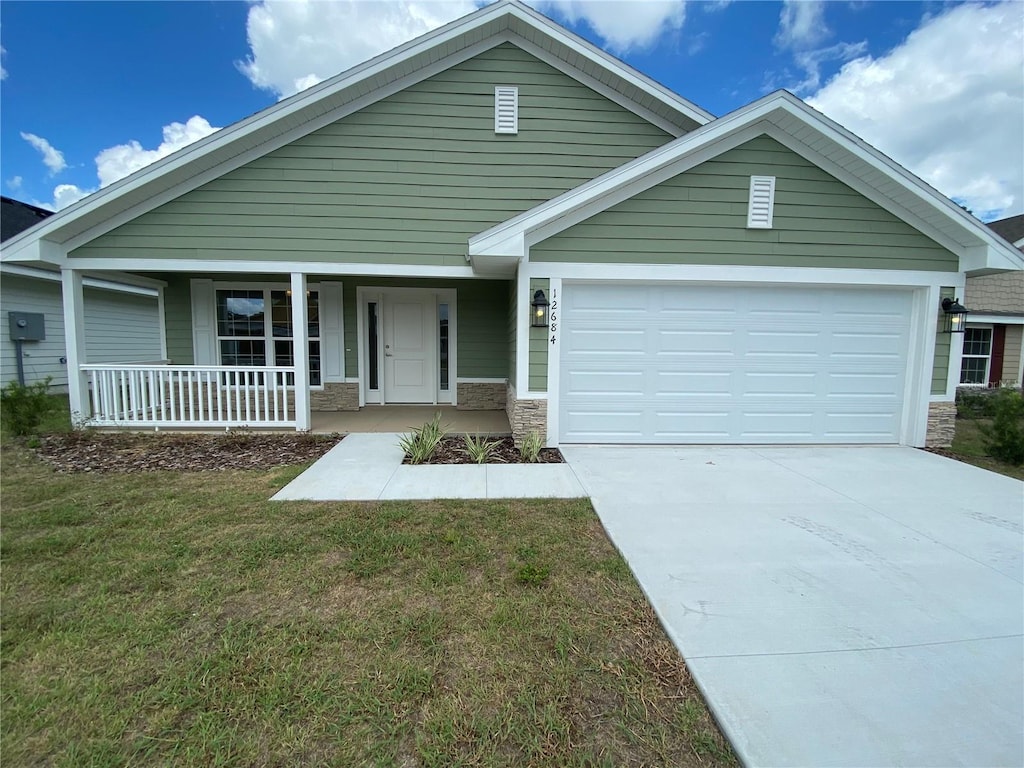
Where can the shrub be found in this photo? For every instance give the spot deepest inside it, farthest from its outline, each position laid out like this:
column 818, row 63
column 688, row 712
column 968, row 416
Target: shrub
column 24, row 407
column 975, row 404
column 531, row 447
column 480, row 450
column 420, row 444
column 1004, row 438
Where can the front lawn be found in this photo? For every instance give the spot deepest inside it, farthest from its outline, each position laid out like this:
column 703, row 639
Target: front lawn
column 969, row 446
column 160, row 618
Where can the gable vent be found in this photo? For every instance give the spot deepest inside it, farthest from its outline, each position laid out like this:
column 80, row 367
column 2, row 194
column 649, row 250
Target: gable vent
column 506, row 109
column 762, row 202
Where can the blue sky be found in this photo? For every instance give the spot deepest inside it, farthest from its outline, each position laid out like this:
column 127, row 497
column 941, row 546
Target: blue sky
column 93, row 90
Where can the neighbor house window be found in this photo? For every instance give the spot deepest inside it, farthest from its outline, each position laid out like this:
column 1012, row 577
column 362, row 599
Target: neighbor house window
column 977, row 356
column 254, row 328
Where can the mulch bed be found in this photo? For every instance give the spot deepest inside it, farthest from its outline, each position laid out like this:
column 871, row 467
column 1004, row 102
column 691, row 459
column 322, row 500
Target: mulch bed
column 147, row 452
column 452, row 450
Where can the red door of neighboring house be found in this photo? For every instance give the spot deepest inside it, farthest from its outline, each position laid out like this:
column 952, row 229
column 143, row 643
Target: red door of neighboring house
column 995, row 370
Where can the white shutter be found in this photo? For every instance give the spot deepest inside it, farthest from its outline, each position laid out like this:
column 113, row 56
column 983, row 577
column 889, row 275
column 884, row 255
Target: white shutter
column 506, row 109
column 204, row 323
column 762, row 202
column 332, row 334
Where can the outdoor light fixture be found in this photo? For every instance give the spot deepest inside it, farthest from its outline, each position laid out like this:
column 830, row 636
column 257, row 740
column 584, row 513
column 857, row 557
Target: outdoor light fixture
column 539, row 310
column 956, row 315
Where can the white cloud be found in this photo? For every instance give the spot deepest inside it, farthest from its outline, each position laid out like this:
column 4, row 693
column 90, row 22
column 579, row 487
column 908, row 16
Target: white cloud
column 52, row 158
column 801, row 24
column 14, row 184
column 947, row 103
column 114, row 163
column 810, row 62
column 622, row 25
column 294, row 45
column 3, row 72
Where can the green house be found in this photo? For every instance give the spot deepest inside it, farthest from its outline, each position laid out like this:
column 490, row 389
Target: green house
column 500, row 216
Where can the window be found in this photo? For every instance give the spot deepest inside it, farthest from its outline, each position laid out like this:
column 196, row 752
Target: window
column 248, row 334
column 762, row 202
column 977, row 356
column 506, row 109
column 442, row 339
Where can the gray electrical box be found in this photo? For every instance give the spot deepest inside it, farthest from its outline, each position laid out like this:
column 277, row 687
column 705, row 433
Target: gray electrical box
column 27, row 326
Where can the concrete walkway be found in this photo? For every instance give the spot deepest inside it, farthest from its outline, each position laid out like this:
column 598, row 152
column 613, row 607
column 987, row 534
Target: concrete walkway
column 368, row 467
column 838, row 606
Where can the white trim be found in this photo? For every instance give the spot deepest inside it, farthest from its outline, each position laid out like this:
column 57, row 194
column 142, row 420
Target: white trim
column 709, row 273
column 920, row 360
column 161, row 309
column 300, row 350
column 506, row 110
column 332, row 268
column 89, row 282
column 978, row 248
column 203, row 301
column 554, row 357
column 981, row 318
column 73, row 302
column 761, row 202
column 988, row 358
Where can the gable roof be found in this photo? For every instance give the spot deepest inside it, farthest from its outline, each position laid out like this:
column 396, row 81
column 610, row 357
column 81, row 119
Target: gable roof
column 793, row 123
column 354, row 89
column 1011, row 228
column 16, row 217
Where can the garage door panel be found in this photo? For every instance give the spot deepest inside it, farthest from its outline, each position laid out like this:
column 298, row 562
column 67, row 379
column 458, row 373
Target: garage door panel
column 728, row 364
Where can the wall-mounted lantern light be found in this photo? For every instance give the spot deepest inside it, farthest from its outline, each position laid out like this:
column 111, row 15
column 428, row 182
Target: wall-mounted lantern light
column 956, row 315
column 539, row 310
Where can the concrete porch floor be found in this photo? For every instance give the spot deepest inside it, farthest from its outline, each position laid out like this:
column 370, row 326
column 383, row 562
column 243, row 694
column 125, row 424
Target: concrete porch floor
column 401, row 418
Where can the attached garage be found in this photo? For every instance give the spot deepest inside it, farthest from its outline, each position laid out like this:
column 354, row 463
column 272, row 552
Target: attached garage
column 705, row 363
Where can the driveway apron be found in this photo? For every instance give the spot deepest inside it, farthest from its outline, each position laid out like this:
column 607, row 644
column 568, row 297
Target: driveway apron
column 838, row 606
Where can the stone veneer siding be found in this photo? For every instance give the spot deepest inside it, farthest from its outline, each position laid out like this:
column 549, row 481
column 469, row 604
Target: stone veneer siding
column 941, row 425
column 481, row 396
column 335, row 396
column 525, row 416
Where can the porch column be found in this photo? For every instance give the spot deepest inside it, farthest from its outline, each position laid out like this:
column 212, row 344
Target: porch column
column 300, row 347
column 74, row 334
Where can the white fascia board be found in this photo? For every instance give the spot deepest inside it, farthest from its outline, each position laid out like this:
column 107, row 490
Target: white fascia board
column 625, row 72
column 980, row 317
column 33, row 250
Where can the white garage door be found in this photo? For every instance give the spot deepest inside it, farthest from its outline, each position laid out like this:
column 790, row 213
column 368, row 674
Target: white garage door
column 727, row 364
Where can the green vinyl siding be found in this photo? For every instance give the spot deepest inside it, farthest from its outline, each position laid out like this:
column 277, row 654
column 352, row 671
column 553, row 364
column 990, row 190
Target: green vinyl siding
column 700, row 217
column 513, row 316
column 538, row 371
column 940, row 363
column 178, row 318
column 481, row 309
column 404, row 181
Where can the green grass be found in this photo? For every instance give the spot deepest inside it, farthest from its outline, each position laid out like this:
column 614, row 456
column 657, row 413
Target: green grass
column 969, row 445
column 173, row 618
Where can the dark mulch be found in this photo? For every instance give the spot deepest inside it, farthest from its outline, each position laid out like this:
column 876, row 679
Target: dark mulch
column 146, row 452
column 452, row 450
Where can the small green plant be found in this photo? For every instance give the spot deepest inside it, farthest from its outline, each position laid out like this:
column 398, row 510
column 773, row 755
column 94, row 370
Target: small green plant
column 24, row 407
column 1004, row 438
column 533, row 575
column 973, row 405
column 531, row 447
column 480, row 450
column 419, row 445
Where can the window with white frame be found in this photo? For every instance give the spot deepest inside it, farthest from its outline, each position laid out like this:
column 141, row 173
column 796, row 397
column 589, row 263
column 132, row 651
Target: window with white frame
column 977, row 356
column 254, row 328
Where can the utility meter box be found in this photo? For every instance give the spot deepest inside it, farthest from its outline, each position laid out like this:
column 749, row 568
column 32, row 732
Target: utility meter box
column 27, row 326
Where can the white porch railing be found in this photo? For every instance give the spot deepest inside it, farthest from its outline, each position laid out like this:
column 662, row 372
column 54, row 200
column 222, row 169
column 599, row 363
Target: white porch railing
column 148, row 395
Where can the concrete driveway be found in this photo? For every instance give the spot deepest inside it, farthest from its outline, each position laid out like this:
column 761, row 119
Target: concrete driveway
column 847, row 606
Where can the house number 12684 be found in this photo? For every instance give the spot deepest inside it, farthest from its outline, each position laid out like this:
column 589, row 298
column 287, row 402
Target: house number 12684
column 554, row 316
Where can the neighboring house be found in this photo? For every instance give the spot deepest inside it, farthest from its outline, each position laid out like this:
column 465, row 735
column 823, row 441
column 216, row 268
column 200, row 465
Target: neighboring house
column 762, row 277
column 993, row 353
column 122, row 313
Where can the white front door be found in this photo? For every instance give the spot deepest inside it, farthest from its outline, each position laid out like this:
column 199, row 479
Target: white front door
column 409, row 339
